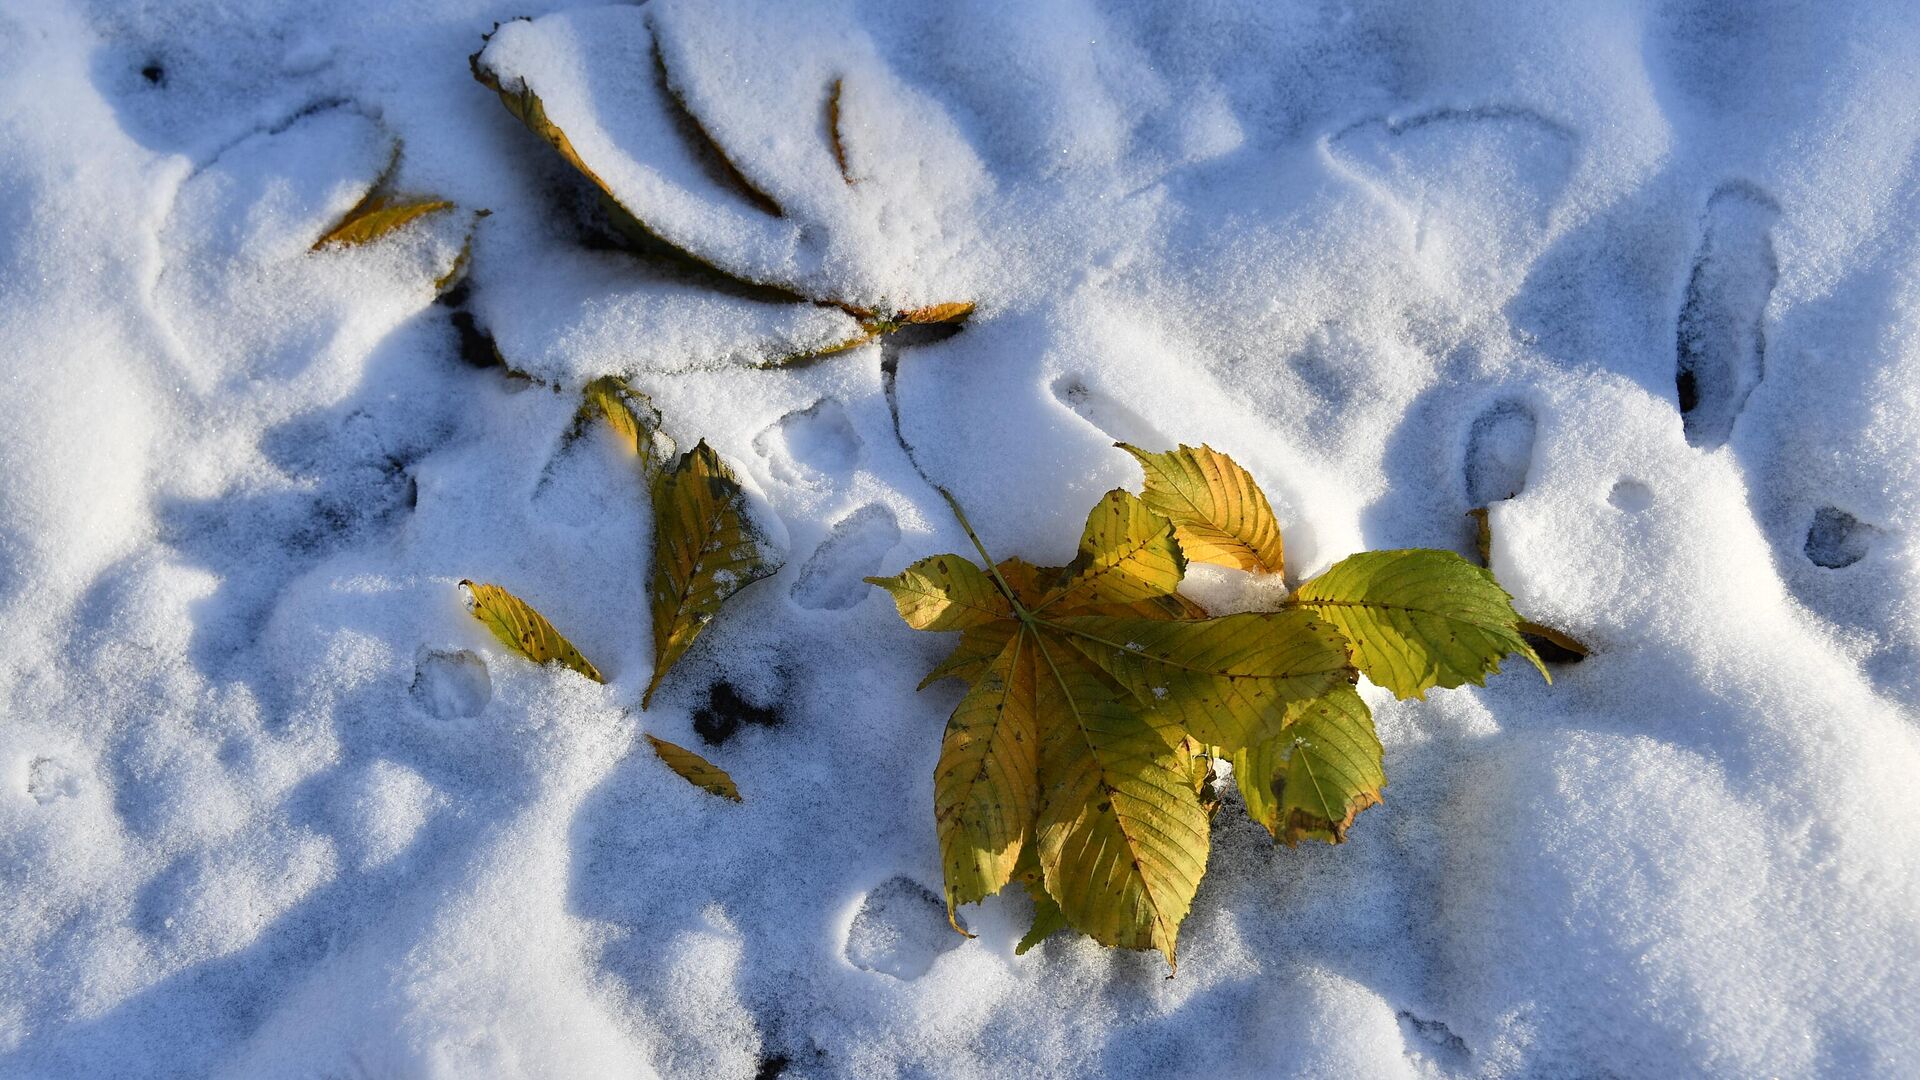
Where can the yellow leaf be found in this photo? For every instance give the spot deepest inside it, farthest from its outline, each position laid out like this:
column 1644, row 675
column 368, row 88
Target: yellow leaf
column 633, row 419
column 523, row 629
column 945, row 592
column 374, row 217
column 1123, row 839
column 1127, row 554
column 705, row 548
column 1219, row 513
column 695, row 769
column 986, row 785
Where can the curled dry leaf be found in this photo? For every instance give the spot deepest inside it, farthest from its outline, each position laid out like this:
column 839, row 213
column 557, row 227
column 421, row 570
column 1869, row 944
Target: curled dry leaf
column 522, row 629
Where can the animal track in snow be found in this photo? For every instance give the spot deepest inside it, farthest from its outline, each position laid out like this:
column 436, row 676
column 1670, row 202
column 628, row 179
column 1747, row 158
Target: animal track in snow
column 451, row 685
column 1837, row 539
column 1479, row 185
column 811, row 443
column 1114, row 420
column 833, row 578
column 49, row 779
column 1499, row 452
column 1630, row 496
column 1720, row 350
column 900, row 930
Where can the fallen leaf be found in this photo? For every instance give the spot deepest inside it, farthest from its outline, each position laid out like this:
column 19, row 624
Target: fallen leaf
column 695, row 769
column 522, row 629
column 706, row 548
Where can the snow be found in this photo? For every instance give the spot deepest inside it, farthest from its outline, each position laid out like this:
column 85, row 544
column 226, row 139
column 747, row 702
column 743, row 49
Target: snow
column 272, row 803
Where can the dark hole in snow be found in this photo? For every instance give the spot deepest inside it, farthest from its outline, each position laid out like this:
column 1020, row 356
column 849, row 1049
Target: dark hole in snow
column 1837, row 538
column 1550, row 651
column 726, row 712
column 154, row 74
column 772, row 1066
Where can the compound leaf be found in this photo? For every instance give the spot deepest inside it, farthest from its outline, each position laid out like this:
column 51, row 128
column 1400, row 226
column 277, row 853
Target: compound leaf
column 705, row 548
column 695, row 769
column 1219, row 513
column 523, row 629
column 1417, row 618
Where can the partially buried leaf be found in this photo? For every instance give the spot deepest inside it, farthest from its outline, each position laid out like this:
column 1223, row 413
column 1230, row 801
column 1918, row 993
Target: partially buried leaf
column 1219, row 513
column 523, row 629
column 695, row 769
column 374, row 217
column 632, row 417
column 1417, row 619
column 1309, row 781
column 1127, row 554
column 706, row 548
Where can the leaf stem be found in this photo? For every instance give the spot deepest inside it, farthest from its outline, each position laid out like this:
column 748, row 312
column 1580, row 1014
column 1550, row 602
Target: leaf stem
column 993, row 569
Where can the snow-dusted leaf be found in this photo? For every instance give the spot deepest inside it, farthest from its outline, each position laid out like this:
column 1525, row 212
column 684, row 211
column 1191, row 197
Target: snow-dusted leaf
column 1219, row 513
column 706, row 547
column 695, row 769
column 1418, row 618
column 522, row 629
column 632, row 417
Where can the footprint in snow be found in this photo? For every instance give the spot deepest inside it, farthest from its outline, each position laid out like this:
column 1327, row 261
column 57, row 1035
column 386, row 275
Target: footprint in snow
column 834, row 577
column 1720, row 352
column 900, row 930
column 1499, row 452
column 812, row 444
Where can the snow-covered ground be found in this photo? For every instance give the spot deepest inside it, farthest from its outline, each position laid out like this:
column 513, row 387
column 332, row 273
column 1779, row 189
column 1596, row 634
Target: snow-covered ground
column 272, row 804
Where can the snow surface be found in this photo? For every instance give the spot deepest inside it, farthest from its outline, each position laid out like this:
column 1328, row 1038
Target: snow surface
column 272, row 804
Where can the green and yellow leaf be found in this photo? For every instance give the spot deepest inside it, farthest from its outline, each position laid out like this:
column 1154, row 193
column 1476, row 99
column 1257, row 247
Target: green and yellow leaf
column 986, row 786
column 1219, row 513
column 695, row 769
column 1127, row 554
column 523, row 629
column 1416, row 619
column 1047, row 917
column 706, row 548
column 1122, row 836
column 1227, row 682
column 945, row 592
column 1311, row 780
